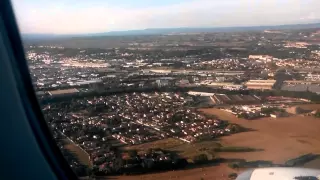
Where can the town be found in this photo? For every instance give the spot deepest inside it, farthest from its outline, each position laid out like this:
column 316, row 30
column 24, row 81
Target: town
column 148, row 89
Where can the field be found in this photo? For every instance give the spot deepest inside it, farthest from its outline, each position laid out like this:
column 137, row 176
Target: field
column 81, row 155
column 310, row 106
column 206, row 173
column 183, row 149
column 280, row 139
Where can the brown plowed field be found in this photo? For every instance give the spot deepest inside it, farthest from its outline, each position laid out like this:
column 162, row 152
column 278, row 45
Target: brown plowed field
column 207, row 173
column 281, row 138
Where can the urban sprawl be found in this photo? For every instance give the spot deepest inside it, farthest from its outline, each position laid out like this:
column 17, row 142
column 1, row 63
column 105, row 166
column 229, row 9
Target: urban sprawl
column 149, row 88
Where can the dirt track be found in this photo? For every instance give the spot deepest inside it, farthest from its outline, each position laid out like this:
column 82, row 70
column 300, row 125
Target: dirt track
column 281, row 138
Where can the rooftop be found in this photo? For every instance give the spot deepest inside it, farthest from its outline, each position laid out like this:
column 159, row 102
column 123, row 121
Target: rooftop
column 63, row 91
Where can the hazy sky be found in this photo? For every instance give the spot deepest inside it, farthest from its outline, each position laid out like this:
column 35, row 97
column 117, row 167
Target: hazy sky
column 90, row 16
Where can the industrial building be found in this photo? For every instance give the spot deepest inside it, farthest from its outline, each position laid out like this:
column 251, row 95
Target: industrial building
column 63, row 92
column 162, row 82
column 224, row 85
column 234, row 99
column 300, row 86
column 313, row 77
column 261, row 57
column 195, row 93
column 260, row 84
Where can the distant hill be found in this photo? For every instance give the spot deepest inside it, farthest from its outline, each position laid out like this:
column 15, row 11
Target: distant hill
column 159, row 31
column 207, row 29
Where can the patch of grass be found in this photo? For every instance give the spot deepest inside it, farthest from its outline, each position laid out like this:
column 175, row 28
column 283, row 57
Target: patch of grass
column 81, row 155
column 301, row 160
column 236, row 128
column 160, row 144
column 200, row 159
column 250, row 164
column 185, row 150
column 233, row 175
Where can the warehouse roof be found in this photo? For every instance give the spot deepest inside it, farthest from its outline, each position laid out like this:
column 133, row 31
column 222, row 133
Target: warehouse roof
column 63, row 91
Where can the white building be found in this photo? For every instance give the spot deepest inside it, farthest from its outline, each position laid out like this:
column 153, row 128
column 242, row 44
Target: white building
column 162, row 82
column 196, row 93
column 260, row 84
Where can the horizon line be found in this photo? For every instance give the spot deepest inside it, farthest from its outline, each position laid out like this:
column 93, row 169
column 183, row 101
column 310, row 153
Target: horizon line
column 164, row 28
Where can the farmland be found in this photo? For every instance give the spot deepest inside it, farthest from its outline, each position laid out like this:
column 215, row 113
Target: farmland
column 280, row 139
column 213, row 173
column 277, row 139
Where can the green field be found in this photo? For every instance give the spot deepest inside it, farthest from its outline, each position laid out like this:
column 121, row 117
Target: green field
column 186, row 150
column 78, row 152
column 235, row 149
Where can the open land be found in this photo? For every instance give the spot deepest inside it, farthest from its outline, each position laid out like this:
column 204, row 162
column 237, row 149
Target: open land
column 81, row 155
column 185, row 150
column 310, row 106
column 212, row 173
column 281, row 138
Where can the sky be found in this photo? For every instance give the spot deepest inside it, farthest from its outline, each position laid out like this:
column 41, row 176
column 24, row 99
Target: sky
column 96, row 16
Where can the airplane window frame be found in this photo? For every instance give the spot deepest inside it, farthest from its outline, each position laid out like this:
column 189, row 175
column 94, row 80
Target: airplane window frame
column 29, row 101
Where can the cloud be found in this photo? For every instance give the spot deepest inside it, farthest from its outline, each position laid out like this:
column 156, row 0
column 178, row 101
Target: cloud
column 88, row 17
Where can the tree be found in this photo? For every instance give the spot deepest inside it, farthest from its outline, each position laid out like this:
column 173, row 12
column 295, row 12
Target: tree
column 202, row 158
column 179, row 163
column 118, row 164
column 133, row 153
column 204, row 137
column 243, row 115
column 149, row 151
column 149, row 164
column 233, row 175
column 176, row 118
column 272, row 65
